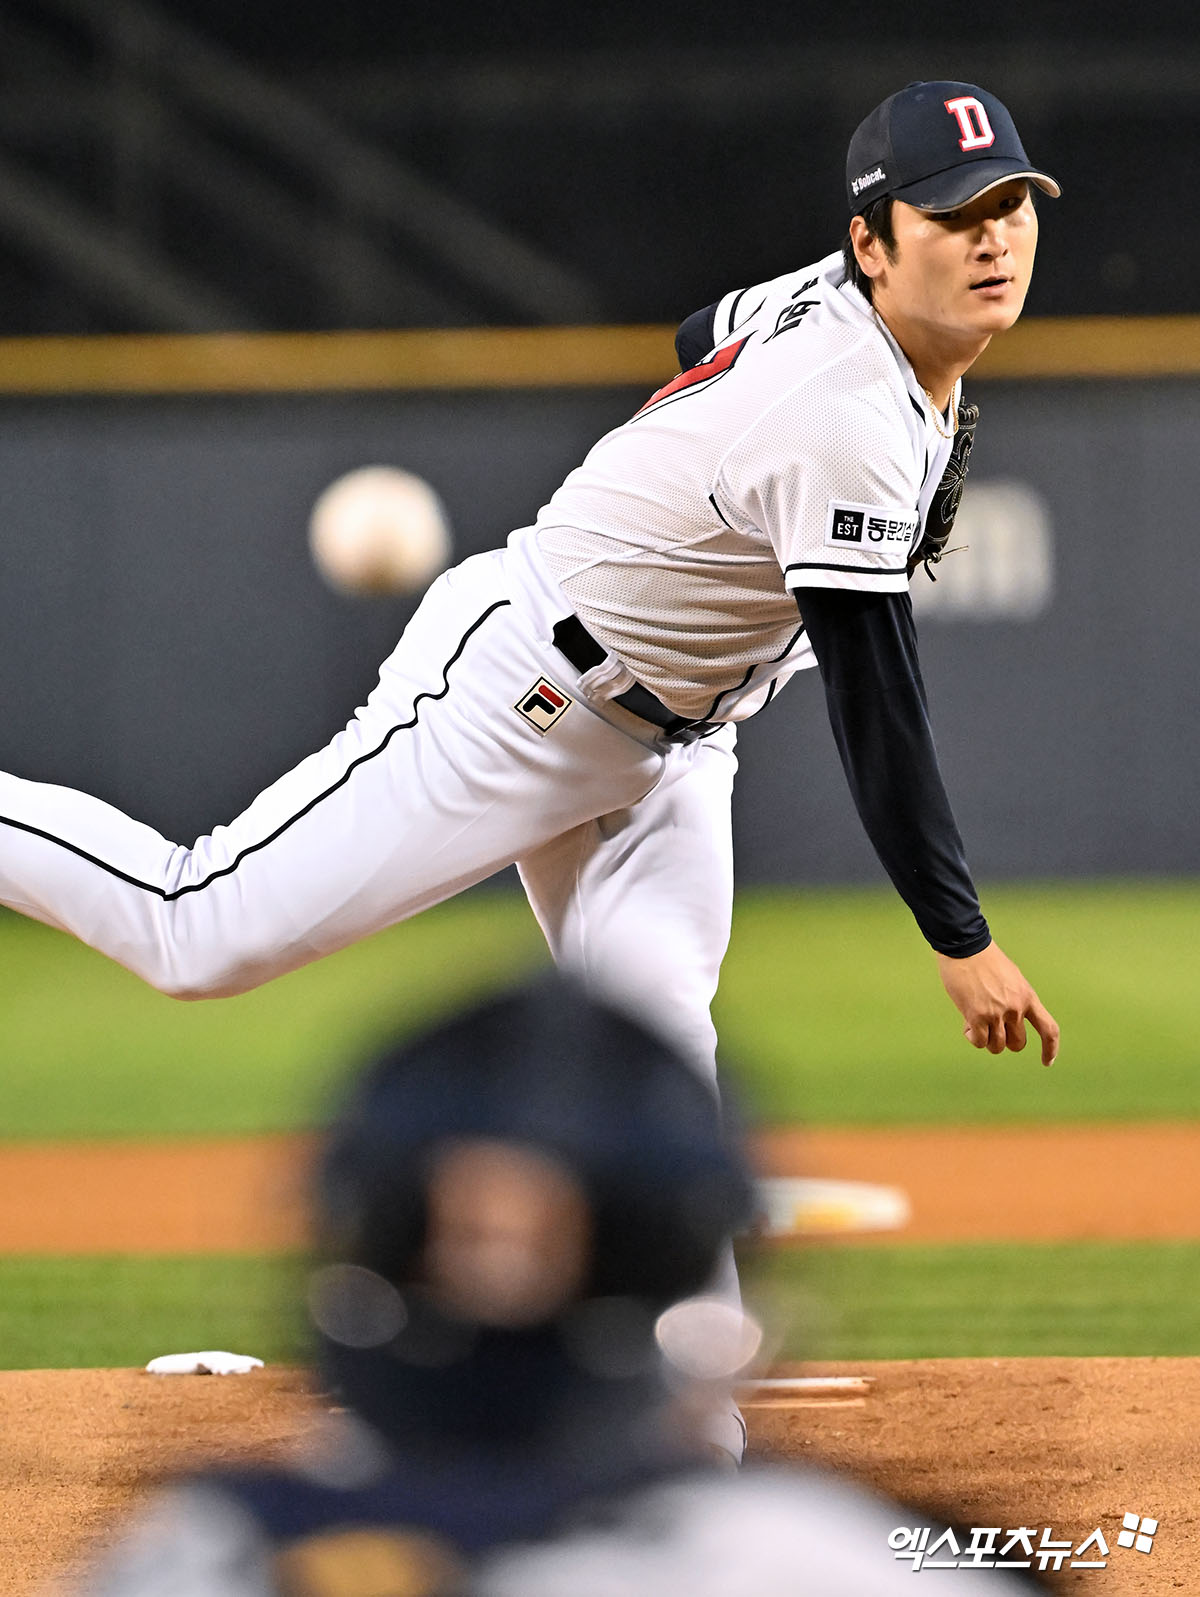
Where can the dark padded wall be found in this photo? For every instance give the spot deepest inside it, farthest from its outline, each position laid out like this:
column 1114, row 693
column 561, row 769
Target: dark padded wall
column 167, row 644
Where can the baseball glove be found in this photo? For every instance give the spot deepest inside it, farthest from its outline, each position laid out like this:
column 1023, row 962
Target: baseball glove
column 942, row 511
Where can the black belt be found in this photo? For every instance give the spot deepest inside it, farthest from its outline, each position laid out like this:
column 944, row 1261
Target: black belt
column 572, row 639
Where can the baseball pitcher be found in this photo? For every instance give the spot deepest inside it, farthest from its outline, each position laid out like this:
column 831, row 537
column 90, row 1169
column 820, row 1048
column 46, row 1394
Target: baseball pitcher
column 569, row 702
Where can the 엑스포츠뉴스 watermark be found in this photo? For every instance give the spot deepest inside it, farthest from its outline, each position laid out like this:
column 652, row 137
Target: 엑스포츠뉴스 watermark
column 1026, row 1547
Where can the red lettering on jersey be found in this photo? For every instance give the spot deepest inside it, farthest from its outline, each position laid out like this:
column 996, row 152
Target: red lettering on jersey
column 719, row 363
column 973, row 122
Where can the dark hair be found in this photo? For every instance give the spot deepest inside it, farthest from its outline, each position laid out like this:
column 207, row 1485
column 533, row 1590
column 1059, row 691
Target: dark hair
column 878, row 217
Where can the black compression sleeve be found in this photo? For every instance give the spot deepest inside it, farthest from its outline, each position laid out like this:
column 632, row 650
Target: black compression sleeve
column 866, row 648
column 696, row 336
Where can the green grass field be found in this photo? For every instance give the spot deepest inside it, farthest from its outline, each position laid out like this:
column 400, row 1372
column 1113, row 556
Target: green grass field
column 864, row 1302
column 112, row 1311
column 982, row 1300
column 830, row 1011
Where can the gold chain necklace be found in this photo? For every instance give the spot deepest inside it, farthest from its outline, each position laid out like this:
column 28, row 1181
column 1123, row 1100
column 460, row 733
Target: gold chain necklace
column 937, row 419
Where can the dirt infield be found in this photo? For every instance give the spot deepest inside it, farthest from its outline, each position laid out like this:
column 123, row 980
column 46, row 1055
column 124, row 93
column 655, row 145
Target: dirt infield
column 1068, row 1443
column 234, row 1196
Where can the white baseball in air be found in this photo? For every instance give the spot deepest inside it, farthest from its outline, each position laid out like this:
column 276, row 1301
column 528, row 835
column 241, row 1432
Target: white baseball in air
column 379, row 530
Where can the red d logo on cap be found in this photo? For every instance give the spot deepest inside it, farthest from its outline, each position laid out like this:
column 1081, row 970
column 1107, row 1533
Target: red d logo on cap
column 973, row 122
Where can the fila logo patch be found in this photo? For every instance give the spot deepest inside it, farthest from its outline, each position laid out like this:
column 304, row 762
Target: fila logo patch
column 864, row 525
column 973, row 122
column 543, row 705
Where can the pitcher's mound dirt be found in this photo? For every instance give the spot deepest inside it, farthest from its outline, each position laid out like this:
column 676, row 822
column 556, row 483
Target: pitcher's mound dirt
column 1068, row 1443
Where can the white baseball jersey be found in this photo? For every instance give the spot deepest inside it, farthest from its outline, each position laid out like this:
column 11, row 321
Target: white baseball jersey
column 801, row 453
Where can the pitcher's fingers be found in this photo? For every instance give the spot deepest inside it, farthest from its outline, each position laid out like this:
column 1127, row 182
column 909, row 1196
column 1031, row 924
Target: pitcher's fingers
column 1015, row 1025
column 976, row 1033
column 1044, row 1023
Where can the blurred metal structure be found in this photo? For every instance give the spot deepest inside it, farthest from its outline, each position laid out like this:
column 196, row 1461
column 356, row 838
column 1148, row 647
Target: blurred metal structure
column 199, row 165
column 188, row 154
column 744, row 80
column 130, row 275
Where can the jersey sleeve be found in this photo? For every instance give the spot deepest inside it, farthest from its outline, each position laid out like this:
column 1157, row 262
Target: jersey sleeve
column 831, row 480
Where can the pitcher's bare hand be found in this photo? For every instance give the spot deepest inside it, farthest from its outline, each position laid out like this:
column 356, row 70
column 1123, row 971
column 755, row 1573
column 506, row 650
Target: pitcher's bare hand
column 995, row 1001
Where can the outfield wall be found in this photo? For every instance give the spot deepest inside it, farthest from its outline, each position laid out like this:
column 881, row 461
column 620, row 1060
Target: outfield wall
column 167, row 644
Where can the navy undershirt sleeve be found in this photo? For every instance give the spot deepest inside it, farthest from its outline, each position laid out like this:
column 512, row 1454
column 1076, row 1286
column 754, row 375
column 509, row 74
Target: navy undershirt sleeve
column 695, row 337
column 866, row 649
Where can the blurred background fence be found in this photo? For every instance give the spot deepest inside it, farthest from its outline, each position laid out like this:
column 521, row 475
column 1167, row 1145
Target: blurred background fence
column 168, row 644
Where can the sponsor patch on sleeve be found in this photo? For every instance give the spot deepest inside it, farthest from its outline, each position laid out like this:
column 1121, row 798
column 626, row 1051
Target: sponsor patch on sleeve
column 850, row 526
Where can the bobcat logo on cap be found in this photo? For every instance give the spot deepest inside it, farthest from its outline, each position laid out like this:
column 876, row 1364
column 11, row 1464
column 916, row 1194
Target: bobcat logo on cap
column 875, row 175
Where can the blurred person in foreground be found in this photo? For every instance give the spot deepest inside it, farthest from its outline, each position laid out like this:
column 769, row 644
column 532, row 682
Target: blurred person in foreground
column 509, row 1207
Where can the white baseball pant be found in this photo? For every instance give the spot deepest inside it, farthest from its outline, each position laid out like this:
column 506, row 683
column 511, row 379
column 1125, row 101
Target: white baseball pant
column 622, row 840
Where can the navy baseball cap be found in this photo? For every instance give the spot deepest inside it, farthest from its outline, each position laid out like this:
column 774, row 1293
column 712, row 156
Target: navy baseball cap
column 935, row 146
